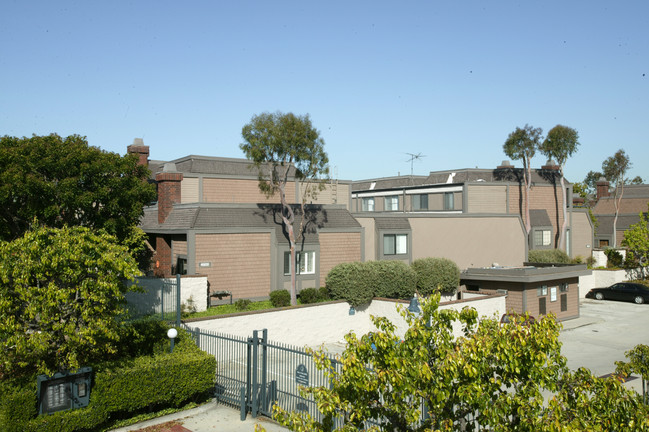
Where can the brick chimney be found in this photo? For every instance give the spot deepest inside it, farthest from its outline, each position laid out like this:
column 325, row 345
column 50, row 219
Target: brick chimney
column 602, row 188
column 141, row 150
column 168, row 190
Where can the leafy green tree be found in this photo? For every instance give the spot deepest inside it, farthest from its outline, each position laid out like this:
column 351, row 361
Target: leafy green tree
column 282, row 146
column 491, row 378
column 636, row 240
column 591, row 180
column 637, row 180
column 61, row 296
column 55, row 181
column 522, row 145
column 559, row 145
column 638, row 363
column 615, row 169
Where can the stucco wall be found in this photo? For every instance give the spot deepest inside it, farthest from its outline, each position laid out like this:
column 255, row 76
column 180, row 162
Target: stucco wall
column 581, row 234
column 469, row 241
column 602, row 279
column 328, row 323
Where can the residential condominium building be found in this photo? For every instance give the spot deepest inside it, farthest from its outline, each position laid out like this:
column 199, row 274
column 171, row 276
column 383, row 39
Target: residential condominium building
column 211, row 219
column 634, row 200
column 475, row 217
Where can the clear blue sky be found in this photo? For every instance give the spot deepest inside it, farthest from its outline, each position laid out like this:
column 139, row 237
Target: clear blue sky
column 447, row 79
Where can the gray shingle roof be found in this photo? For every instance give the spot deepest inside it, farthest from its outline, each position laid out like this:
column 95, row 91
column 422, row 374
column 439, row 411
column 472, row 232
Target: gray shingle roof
column 392, row 223
column 539, row 218
column 207, row 217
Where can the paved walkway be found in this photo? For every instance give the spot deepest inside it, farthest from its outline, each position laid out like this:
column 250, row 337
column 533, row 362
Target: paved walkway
column 211, row 417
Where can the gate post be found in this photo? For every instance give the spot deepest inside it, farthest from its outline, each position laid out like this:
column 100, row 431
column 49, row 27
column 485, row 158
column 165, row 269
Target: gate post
column 255, row 366
column 264, row 371
column 178, row 300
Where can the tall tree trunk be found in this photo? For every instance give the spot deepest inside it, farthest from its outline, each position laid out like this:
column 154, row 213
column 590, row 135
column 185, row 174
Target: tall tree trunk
column 527, row 178
column 288, row 217
column 619, row 188
column 564, row 224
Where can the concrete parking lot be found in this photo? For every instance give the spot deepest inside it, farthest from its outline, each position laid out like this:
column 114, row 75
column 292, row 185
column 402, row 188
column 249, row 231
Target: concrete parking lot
column 602, row 334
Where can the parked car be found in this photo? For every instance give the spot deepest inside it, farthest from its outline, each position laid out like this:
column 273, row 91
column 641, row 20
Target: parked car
column 513, row 317
column 625, row 291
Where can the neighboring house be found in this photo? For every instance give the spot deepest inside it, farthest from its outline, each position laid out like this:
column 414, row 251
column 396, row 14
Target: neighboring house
column 211, row 219
column 634, row 201
column 532, row 289
column 473, row 216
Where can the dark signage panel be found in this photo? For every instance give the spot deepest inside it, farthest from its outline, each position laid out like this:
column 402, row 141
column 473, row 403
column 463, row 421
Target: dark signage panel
column 64, row 391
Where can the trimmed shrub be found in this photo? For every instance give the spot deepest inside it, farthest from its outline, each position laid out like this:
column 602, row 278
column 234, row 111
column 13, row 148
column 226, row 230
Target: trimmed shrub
column 242, row 304
column 280, row 298
column 310, row 295
column 121, row 389
column 393, row 279
column 351, row 282
column 436, row 274
column 555, row 256
column 323, row 292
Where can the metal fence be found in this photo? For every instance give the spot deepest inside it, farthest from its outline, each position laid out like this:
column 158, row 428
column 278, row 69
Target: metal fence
column 157, row 297
column 253, row 374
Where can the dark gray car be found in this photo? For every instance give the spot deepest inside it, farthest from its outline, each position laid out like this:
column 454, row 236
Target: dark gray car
column 624, row 291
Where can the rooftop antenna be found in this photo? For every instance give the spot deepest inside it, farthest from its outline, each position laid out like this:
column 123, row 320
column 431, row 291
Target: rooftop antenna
column 412, row 159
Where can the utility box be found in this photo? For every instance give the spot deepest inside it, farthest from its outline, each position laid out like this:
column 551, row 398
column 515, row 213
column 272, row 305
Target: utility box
column 63, row 391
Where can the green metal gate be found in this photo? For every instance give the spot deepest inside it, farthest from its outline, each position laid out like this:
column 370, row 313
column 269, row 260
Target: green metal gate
column 253, row 373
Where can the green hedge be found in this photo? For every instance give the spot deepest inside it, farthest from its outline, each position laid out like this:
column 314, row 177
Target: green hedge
column 120, row 389
column 393, row 279
column 436, row 274
column 313, row 295
column 351, row 282
column 556, row 256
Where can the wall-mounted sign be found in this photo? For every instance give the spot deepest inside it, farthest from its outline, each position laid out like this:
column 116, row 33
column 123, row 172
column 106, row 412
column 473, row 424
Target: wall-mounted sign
column 553, row 294
column 302, row 375
column 205, row 264
column 63, row 391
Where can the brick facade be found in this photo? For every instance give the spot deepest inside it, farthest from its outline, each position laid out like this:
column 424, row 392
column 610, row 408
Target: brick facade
column 169, row 193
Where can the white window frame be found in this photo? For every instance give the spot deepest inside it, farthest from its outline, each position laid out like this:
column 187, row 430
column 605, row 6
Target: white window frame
column 542, row 237
column 392, row 203
column 305, row 259
column 400, row 244
column 367, row 204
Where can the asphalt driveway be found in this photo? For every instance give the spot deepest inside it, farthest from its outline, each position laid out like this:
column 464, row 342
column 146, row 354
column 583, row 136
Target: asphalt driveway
column 602, row 334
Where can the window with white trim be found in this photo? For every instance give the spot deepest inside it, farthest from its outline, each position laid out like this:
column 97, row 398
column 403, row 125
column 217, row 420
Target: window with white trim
column 395, row 244
column 392, row 203
column 305, row 262
column 542, row 238
column 367, row 204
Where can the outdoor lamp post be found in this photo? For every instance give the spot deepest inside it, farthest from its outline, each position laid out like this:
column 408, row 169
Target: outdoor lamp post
column 171, row 334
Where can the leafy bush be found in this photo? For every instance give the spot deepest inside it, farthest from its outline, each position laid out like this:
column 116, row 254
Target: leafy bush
column 436, row 274
column 614, row 258
column 351, row 282
column 393, row 279
column 310, row 295
column 120, row 389
column 280, row 298
column 323, row 292
column 555, row 256
column 242, row 304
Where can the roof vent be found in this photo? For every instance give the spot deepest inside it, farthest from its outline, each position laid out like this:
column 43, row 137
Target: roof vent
column 169, row 167
column 450, row 178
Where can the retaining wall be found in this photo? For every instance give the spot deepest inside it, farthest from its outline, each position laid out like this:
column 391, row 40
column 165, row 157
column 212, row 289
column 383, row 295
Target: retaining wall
column 328, row 323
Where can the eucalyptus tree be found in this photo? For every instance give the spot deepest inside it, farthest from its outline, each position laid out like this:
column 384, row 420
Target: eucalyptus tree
column 285, row 147
column 615, row 168
column 522, row 145
column 561, row 143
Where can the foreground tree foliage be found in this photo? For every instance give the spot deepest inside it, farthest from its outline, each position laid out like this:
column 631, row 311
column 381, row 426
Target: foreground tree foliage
column 282, row 146
column 636, row 240
column 59, row 181
column 490, row 378
column 61, row 297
